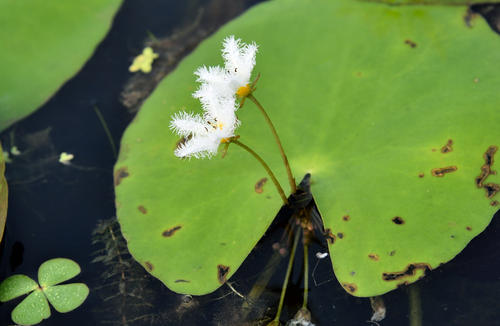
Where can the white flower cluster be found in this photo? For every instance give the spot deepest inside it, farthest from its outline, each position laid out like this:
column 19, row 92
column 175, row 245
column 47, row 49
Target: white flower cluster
column 218, row 96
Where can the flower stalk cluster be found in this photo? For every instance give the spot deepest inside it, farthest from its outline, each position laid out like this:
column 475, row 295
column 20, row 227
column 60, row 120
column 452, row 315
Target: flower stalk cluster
column 222, row 92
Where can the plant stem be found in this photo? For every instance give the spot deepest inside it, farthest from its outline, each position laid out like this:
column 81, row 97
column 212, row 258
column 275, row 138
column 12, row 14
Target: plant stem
column 106, row 129
column 306, row 270
column 287, row 277
column 266, row 167
column 415, row 305
column 291, row 179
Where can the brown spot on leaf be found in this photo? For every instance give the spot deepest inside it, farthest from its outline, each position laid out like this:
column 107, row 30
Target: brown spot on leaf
column 346, row 218
column 398, row 220
column 374, row 257
column 409, row 271
column 170, row 232
column 448, row 147
column 330, row 237
column 149, row 266
column 469, row 228
column 491, row 189
column 411, row 43
column 440, row 172
column 489, row 159
column 433, row 150
column 350, row 287
column 142, row 209
column 421, row 175
column 182, row 281
column 494, row 203
column 340, row 235
column 120, row 174
column 392, row 253
column 259, row 186
column 486, row 170
column 222, row 272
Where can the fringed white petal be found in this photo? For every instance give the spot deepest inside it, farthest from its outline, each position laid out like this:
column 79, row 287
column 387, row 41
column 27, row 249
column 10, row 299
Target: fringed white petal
column 239, row 60
column 198, row 147
column 185, row 124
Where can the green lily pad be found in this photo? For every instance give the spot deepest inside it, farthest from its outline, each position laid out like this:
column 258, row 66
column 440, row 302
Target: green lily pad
column 393, row 110
column 67, row 297
column 4, row 194
column 57, row 270
column 15, row 286
column 32, row 310
column 45, row 43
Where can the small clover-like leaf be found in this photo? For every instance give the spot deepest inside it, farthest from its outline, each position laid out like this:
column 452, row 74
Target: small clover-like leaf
column 15, row 286
column 67, row 297
column 31, row 310
column 57, row 270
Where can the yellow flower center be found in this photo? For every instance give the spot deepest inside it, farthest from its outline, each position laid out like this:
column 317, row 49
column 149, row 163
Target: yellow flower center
column 219, row 125
column 225, row 140
column 244, row 91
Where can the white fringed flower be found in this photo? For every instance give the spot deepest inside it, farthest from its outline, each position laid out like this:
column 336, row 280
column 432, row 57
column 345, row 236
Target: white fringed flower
column 217, row 94
column 202, row 137
column 239, row 61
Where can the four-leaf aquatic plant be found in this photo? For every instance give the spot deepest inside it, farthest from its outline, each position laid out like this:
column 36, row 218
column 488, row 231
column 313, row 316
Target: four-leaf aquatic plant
column 63, row 297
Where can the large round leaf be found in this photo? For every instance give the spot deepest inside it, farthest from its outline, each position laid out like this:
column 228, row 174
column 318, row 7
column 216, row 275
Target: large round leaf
column 44, row 43
column 394, row 111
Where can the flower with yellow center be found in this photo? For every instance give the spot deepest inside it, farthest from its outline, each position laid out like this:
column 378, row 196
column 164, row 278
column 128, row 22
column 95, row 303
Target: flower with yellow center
column 217, row 93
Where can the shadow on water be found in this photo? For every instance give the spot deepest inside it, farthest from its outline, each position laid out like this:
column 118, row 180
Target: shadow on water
column 67, row 211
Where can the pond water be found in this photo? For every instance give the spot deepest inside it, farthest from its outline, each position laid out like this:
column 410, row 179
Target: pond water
column 68, row 211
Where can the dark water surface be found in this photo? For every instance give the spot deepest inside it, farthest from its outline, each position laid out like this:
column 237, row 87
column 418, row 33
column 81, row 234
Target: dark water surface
column 68, row 211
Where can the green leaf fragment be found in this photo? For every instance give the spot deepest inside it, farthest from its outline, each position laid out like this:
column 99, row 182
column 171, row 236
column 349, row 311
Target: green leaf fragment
column 365, row 97
column 67, row 297
column 45, row 43
column 433, row 2
column 56, row 271
column 15, row 286
column 32, row 310
column 4, row 194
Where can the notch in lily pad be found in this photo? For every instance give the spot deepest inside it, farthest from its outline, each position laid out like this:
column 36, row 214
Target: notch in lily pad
column 35, row 307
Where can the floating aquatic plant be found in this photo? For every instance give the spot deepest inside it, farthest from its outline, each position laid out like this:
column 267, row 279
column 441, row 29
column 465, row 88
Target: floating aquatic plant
column 144, row 61
column 393, row 137
column 35, row 308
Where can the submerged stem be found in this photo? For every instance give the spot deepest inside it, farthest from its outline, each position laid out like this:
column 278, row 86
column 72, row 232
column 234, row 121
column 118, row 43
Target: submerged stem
column 287, row 277
column 291, row 179
column 415, row 305
column 306, row 270
column 266, row 167
column 106, row 129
